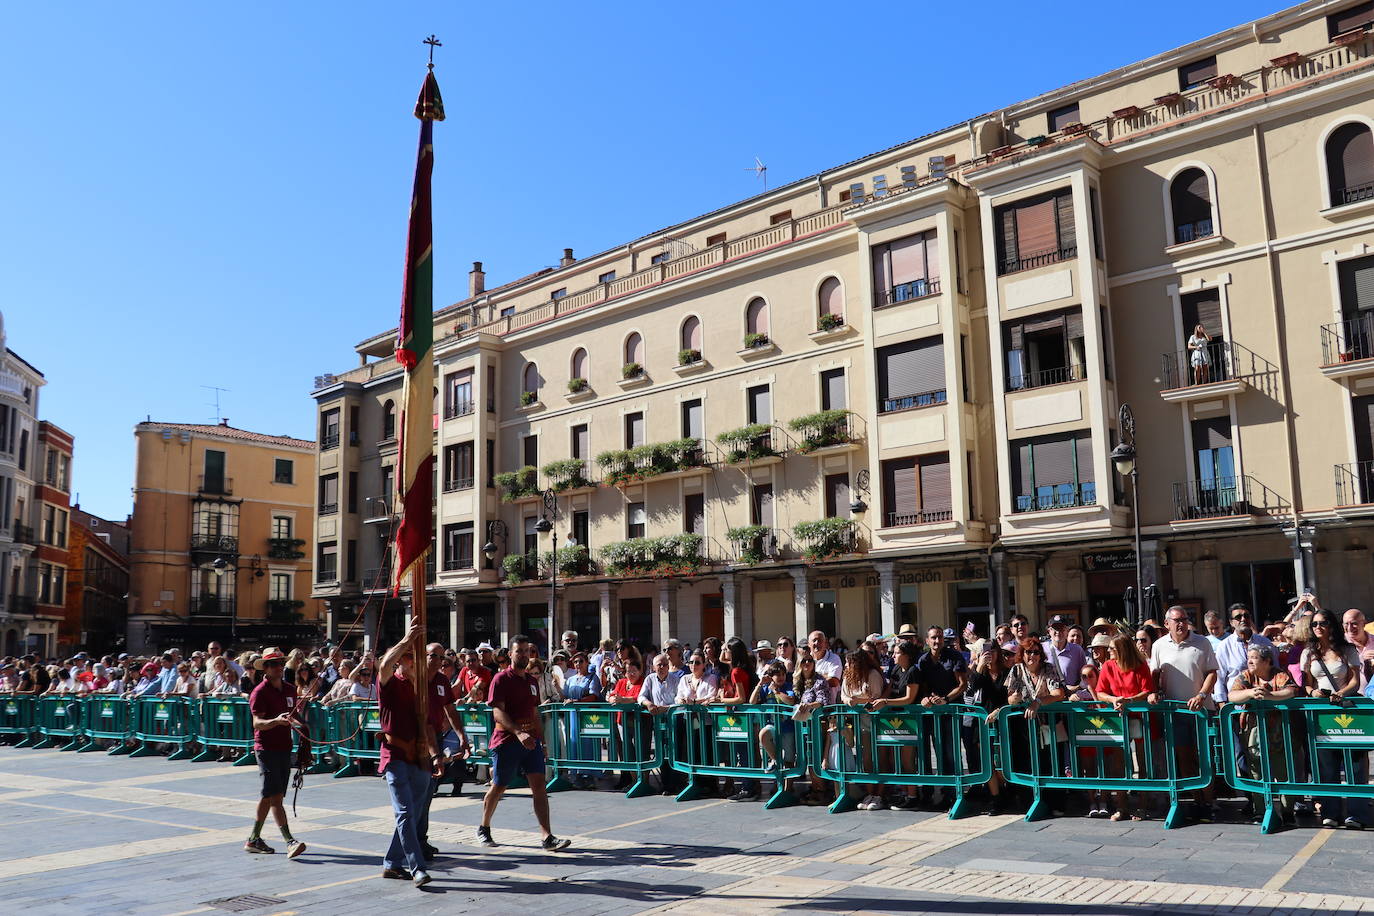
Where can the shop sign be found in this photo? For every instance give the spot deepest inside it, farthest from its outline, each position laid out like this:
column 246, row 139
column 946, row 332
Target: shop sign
column 897, row 729
column 1105, row 560
column 1347, row 728
column 731, row 728
column 161, row 712
column 1104, row 729
column 593, row 725
column 11, row 709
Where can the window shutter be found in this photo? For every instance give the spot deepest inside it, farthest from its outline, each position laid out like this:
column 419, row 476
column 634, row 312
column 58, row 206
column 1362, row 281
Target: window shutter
column 882, row 269
column 935, row 488
column 1073, row 325
column 1035, row 233
column 634, row 349
column 932, row 256
column 1016, row 337
column 760, row 405
column 582, row 442
column 695, row 513
column 911, row 368
column 1053, row 461
column 1191, row 198
column 1356, row 17
column 1357, row 159
column 691, row 333
column 900, row 484
column 1364, row 428
column 1007, row 236
column 1083, row 446
column 1203, row 308
column 531, row 378
column 1022, row 480
column 1212, row 433
column 834, row 393
column 908, row 260
column 1068, row 231
column 1357, row 285
column 1053, row 322
column 763, row 505
column 832, row 297
column 579, row 363
column 1061, row 118
column 837, row 495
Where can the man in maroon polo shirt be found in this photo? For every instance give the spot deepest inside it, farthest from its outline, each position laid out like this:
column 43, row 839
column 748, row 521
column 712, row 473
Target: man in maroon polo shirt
column 442, row 716
column 517, row 742
column 407, row 758
column 273, row 704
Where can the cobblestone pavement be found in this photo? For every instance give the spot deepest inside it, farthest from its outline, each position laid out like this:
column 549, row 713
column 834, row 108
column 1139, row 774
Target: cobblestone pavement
column 90, row 833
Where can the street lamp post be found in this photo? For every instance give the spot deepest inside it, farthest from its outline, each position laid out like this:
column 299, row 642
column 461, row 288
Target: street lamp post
column 1125, row 459
column 546, row 525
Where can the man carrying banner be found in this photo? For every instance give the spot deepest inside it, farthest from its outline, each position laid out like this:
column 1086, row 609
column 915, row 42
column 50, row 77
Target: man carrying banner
column 407, row 757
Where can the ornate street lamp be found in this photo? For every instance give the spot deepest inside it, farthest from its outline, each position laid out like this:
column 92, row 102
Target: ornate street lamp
column 1125, row 459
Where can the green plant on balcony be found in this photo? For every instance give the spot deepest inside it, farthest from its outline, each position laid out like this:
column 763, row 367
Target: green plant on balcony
column 518, row 484
column 830, row 322
column 822, row 429
column 569, row 474
column 577, row 385
column 631, row 370
column 671, row 555
column 688, row 357
column 285, row 548
column 528, row 397
column 642, row 462
column 749, row 538
column 285, row 610
column 825, row 538
column 517, row 567
column 748, row 443
column 754, row 340
column 615, row 466
column 573, row 560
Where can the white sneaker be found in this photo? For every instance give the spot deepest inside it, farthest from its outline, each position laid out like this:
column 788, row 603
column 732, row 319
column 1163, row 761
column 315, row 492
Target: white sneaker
column 879, row 804
column 866, row 804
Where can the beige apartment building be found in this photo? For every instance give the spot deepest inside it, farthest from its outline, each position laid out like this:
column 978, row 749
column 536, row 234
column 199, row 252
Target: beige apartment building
column 221, row 539
column 889, row 392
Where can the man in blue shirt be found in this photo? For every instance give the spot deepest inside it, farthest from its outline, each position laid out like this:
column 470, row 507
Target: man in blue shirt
column 166, row 678
column 1068, row 657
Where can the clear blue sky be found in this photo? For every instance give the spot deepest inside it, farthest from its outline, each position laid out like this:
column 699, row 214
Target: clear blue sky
column 217, row 195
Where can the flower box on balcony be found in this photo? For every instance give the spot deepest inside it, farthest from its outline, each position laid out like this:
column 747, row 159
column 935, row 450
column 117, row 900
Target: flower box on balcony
column 518, row 485
column 757, row 345
column 1349, row 38
column 999, row 152
column 822, row 430
column 1169, row 98
column 688, row 357
column 577, row 385
column 569, row 474
column 825, row 539
column 631, row 371
column 748, row 443
column 1130, row 111
column 1076, row 128
column 671, row 555
column 1225, row 81
column 1286, row 60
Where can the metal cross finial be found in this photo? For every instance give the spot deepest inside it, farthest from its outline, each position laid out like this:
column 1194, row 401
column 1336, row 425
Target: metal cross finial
column 433, row 43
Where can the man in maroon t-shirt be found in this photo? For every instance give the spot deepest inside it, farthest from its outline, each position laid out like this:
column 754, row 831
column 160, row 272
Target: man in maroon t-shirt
column 407, row 757
column 273, row 705
column 517, row 742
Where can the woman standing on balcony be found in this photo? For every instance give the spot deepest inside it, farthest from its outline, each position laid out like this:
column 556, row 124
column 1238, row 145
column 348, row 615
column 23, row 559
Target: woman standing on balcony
column 1199, row 355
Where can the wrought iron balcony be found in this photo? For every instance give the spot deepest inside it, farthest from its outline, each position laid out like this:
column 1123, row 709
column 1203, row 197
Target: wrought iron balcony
column 1058, row 496
column 1343, row 196
column 913, row 401
column 1038, row 259
column 223, row 544
column 213, row 606
column 1348, row 341
column 210, row 485
column 1221, row 361
column 906, row 292
column 1041, row 377
column 1355, row 483
column 461, row 408
column 328, row 441
column 897, row 519
column 1221, row 497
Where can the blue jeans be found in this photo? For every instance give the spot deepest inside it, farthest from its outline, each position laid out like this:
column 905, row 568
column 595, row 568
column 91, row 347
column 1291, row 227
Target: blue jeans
column 409, row 786
column 1329, row 766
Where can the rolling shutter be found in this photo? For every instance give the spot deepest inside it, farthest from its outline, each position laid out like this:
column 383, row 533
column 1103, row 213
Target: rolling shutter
column 582, row 441
column 1063, row 211
column 634, row 349
column 693, row 426
column 757, row 317
column 911, row 368
column 932, row 256
column 1035, row 233
column 834, row 393
column 579, row 363
column 1212, row 433
column 1191, row 198
column 1203, row 308
column 1196, row 73
column 1006, row 236
column 1053, row 461
column 900, row 486
column 1357, row 285
column 908, row 260
column 1357, row 17
column 760, row 405
column 1023, row 481
column 1083, row 447
column 935, row 488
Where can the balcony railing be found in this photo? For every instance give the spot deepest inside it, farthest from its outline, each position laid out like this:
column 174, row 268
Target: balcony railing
column 906, row 292
column 458, row 483
column 1042, row 377
column 215, row 543
column 1058, row 496
column 21, row 604
column 1355, row 483
column 1039, row 259
column 329, row 508
column 329, row 440
column 215, row 486
column 823, row 430
column 213, row 606
column 376, row 509
column 897, row 519
column 913, row 401
column 1343, row 196
column 761, row 544
column 1192, row 232
column 377, row 578
column 1349, row 340
column 23, row 534
column 455, row 563
column 462, row 408
column 1221, row 361
column 1218, row 497
column 285, row 548
column 284, row 610
column 827, row 538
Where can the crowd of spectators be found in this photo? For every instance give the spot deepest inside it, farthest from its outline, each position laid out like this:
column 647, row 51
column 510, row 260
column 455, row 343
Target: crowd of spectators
column 1312, row 652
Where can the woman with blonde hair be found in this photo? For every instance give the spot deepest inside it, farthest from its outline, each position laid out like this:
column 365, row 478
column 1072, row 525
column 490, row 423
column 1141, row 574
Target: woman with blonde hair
column 294, row 660
column 1199, row 355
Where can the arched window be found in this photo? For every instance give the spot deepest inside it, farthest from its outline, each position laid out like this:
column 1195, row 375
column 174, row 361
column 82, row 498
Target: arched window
column 529, row 382
column 830, row 299
column 756, row 318
column 389, row 420
column 634, row 349
column 691, row 334
column 1190, row 199
column 578, row 368
column 1350, row 164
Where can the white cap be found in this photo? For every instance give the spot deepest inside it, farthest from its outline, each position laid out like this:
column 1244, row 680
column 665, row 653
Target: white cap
column 762, row 644
column 487, row 646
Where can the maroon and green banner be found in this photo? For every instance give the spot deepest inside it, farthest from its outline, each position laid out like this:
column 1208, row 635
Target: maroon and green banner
column 415, row 352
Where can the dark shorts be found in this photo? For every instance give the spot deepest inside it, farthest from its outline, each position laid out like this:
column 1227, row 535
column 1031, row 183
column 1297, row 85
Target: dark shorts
column 275, row 769
column 511, row 759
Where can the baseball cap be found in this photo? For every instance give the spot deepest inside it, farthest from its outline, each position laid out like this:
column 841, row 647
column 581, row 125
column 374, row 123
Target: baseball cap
column 1059, row 620
column 949, row 633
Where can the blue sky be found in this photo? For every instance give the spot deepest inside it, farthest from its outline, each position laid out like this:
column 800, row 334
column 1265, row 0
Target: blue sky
column 217, row 196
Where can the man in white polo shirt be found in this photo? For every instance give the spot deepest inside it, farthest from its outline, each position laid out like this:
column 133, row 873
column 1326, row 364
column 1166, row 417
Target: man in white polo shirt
column 828, row 664
column 1186, row 671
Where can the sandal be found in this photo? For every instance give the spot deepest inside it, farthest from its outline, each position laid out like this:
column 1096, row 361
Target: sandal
column 1119, row 816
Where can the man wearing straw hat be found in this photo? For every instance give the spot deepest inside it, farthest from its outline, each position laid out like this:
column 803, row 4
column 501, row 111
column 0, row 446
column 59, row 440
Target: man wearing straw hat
column 273, row 705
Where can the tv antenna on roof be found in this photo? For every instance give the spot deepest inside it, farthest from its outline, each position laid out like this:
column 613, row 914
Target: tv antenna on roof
column 217, row 391
column 761, row 170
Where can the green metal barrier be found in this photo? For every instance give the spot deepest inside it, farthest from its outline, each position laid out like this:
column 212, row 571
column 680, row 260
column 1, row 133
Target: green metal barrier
column 605, row 737
column 322, row 726
column 717, row 740
column 17, row 718
column 165, row 720
column 60, row 717
column 225, row 722
column 1087, row 746
column 478, row 724
column 1290, row 747
column 900, row 746
column 358, row 731
column 108, row 718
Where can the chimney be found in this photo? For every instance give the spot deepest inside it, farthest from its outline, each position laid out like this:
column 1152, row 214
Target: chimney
column 223, row 421
column 477, row 280
column 567, row 260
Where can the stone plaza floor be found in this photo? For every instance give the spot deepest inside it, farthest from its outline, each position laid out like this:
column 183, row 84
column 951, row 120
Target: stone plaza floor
column 87, row 833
